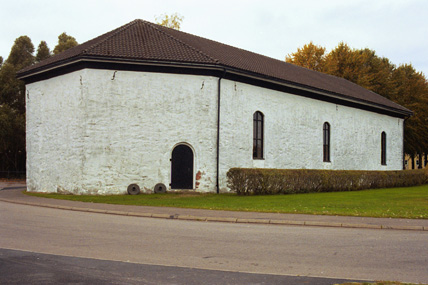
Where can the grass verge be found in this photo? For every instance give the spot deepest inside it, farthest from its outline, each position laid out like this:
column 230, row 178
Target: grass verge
column 409, row 202
column 378, row 283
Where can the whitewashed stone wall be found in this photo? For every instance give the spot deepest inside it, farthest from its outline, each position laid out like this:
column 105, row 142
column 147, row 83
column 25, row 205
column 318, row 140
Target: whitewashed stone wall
column 97, row 131
column 293, row 132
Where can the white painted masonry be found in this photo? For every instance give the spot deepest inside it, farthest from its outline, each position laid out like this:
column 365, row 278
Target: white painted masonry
column 96, row 131
column 293, row 132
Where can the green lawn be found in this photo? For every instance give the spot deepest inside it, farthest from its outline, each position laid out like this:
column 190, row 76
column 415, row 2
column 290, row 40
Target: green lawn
column 409, row 202
column 379, row 283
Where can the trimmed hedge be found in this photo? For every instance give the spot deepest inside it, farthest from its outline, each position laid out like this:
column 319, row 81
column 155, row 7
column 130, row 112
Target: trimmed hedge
column 250, row 181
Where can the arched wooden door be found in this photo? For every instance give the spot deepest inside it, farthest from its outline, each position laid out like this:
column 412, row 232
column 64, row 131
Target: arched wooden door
column 182, row 167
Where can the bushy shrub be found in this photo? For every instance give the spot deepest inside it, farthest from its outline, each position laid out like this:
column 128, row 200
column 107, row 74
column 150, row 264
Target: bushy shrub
column 248, row 181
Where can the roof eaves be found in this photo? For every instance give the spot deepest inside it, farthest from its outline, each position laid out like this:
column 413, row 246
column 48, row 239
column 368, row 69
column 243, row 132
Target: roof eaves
column 101, row 59
column 402, row 111
column 23, row 74
column 214, row 66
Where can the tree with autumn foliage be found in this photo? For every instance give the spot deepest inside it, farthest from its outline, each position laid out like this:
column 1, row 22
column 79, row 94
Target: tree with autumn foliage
column 411, row 90
column 310, row 56
column 402, row 84
column 171, row 21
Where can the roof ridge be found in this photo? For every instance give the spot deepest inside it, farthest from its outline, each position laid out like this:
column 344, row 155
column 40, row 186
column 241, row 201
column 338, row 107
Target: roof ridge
column 155, row 26
column 112, row 34
column 143, row 40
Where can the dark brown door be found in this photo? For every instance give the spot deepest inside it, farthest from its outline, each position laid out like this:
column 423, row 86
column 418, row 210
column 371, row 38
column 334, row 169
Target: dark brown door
column 182, row 168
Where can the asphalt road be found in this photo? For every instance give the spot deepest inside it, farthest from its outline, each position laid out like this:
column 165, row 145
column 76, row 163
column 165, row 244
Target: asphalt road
column 261, row 249
column 21, row 267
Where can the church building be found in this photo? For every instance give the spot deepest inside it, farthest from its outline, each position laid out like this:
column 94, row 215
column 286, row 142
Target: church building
column 148, row 108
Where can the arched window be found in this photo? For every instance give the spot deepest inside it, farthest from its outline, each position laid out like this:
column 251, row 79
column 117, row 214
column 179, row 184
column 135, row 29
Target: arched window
column 258, row 135
column 383, row 149
column 326, row 142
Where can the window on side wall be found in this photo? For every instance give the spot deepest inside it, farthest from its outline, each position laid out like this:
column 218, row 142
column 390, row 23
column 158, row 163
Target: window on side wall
column 326, row 142
column 258, row 121
column 383, row 149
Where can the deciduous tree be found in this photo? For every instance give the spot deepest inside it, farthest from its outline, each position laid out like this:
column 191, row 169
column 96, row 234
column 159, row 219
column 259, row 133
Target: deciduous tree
column 349, row 64
column 171, row 21
column 411, row 91
column 310, row 56
column 402, row 84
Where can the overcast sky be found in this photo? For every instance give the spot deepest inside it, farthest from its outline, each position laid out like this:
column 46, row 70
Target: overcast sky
column 396, row 29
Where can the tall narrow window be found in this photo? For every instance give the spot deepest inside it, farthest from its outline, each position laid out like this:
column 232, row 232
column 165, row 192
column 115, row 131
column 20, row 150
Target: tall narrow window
column 258, row 135
column 383, row 149
column 326, row 142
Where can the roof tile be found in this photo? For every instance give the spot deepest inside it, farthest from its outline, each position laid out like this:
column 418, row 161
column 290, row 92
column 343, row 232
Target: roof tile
column 141, row 40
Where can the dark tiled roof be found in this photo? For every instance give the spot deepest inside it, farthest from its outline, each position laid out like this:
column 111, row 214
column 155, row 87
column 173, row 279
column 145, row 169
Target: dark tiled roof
column 144, row 41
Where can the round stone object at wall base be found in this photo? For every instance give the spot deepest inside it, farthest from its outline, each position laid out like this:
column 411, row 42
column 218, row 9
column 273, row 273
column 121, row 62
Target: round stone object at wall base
column 133, row 189
column 160, row 188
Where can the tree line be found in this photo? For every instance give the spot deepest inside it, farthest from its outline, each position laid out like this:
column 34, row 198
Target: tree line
column 401, row 84
column 12, row 100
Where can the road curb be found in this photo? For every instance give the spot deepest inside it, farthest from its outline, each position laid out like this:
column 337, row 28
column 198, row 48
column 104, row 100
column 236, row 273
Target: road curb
column 323, row 224
column 407, row 228
column 363, row 226
column 224, row 219
column 287, row 222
